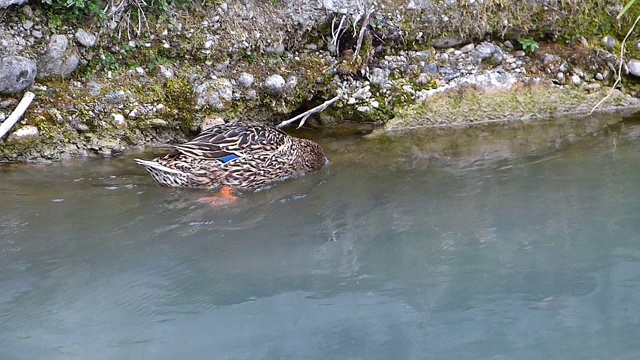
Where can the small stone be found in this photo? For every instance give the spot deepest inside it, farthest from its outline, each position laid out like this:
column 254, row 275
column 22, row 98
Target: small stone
column 81, row 127
column 115, row 97
column 467, row 48
column 26, row 10
column 599, row 77
column 608, row 42
column 118, row 121
column 445, row 42
column 519, row 53
column 2, row 116
column 209, row 122
column 55, row 114
column 378, row 76
column 424, row 55
column 27, row 25
column 140, row 71
column 634, row 67
column 564, row 67
column 245, row 80
column 575, row 79
column 36, row 34
column 508, row 44
column 423, row 79
column 277, row 49
column 24, row 132
column 498, row 57
column 274, row 84
column 291, row 83
column 133, row 114
column 432, row 68
column 560, row 77
column 374, row 104
column 593, row 86
column 363, row 108
column 85, row 38
column 60, row 59
column 484, row 51
column 158, row 123
column 166, row 72
column 16, row 74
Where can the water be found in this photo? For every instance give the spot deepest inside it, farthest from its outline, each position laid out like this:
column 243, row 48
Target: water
column 517, row 241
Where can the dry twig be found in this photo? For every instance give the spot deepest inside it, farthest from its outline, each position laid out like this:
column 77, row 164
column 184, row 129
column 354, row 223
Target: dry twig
column 305, row 115
column 8, row 123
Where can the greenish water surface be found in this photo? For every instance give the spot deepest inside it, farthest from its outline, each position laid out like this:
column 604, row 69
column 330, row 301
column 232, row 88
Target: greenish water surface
column 510, row 241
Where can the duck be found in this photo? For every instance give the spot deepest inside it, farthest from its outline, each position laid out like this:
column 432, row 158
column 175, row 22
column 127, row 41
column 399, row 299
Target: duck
column 236, row 156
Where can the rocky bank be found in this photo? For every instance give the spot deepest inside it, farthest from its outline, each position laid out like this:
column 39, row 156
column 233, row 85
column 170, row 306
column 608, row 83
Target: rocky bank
column 132, row 75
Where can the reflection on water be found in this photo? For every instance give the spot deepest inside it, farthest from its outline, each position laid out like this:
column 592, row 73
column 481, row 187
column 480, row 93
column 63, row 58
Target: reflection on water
column 512, row 241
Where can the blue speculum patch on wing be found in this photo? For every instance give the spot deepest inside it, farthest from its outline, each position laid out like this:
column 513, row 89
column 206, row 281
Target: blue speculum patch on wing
column 226, row 159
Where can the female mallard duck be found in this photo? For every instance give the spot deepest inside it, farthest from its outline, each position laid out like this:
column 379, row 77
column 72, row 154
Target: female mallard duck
column 236, row 155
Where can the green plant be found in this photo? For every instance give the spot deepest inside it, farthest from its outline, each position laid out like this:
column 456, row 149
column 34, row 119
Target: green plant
column 529, row 45
column 626, row 8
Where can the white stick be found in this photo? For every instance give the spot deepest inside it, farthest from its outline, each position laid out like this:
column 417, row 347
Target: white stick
column 17, row 113
column 308, row 113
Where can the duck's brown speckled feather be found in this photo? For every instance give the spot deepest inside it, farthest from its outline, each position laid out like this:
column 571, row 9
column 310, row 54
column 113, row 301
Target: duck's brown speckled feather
column 239, row 155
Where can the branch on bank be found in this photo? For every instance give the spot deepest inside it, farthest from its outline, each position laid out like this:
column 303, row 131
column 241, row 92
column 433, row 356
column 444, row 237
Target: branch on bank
column 16, row 114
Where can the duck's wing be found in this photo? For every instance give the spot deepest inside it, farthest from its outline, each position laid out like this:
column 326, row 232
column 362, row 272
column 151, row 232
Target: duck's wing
column 227, row 142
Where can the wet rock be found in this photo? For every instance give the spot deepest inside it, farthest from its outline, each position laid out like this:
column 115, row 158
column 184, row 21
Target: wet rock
column 60, row 59
column 216, row 93
column 6, row 3
column 106, row 147
column 25, row 132
column 85, row 38
column 634, row 67
column 379, row 76
column 16, row 74
column 118, row 121
column 245, row 80
column 274, row 85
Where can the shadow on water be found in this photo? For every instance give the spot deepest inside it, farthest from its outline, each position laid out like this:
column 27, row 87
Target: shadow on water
column 477, row 242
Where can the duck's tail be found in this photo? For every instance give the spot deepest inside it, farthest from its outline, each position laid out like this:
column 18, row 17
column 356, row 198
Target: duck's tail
column 164, row 175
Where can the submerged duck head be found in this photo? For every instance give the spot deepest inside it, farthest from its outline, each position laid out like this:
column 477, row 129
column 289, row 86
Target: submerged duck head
column 314, row 158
